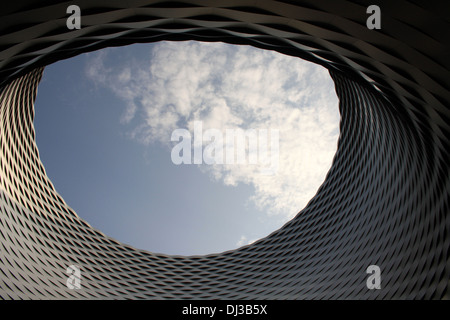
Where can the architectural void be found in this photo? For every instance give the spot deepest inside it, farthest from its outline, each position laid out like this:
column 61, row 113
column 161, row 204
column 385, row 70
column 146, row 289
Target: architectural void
column 384, row 203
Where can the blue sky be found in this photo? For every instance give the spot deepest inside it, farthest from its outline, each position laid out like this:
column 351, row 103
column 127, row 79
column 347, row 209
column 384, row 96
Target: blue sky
column 103, row 125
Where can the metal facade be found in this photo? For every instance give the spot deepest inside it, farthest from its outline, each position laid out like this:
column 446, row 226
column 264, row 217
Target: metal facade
column 385, row 200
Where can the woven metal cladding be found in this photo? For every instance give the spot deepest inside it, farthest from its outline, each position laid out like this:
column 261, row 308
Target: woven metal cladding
column 385, row 200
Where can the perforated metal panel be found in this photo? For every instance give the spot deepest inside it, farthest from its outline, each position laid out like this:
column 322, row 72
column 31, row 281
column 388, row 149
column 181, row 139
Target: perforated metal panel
column 385, row 200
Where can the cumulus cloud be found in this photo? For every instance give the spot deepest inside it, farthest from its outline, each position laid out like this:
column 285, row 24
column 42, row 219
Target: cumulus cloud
column 229, row 87
column 244, row 241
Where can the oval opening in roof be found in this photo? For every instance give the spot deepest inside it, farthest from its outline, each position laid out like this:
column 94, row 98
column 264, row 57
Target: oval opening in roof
column 186, row 148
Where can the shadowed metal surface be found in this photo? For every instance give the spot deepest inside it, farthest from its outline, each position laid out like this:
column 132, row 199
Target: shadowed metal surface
column 385, row 200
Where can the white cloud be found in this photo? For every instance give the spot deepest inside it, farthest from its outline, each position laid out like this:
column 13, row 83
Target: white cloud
column 229, row 86
column 243, row 241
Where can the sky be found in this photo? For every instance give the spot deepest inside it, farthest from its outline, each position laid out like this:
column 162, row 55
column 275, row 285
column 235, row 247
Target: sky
column 104, row 122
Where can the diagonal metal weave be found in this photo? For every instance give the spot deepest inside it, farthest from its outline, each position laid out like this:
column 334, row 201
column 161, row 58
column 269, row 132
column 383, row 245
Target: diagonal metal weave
column 385, row 200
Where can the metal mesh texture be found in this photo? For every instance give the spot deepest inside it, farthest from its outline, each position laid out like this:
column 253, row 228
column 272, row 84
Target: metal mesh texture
column 385, row 200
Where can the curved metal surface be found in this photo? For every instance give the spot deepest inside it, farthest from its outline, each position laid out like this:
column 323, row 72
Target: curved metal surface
column 385, row 200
